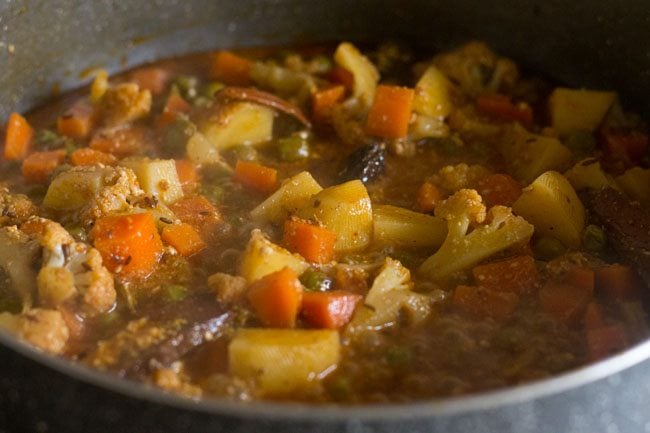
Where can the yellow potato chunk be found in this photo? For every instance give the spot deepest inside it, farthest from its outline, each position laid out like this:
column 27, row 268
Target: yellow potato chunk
column 293, row 194
column 237, row 124
column 578, row 110
column 432, row 94
column 263, row 257
column 157, row 177
column 405, row 228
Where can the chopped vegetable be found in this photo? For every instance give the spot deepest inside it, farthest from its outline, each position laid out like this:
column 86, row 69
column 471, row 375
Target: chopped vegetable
column 433, row 94
column 238, row 123
column 256, row 177
column 390, row 112
column 38, row 166
column 293, row 194
column 516, row 275
column 276, row 298
column 88, row 157
column 606, row 340
column 153, row 79
column 157, row 177
column 184, row 238
column 589, row 174
column 77, row 123
column 262, row 257
column 121, row 142
column 323, row 101
column 635, row 182
column 627, row 146
column 18, row 138
column 99, row 86
column 174, row 106
column 482, row 302
column 551, row 204
column 230, row 68
column 594, row 238
column 129, row 244
column 316, row 281
column 594, row 317
column 429, row 196
column 501, row 107
column 462, row 250
column 364, row 73
column 564, row 302
column 314, row 243
column 329, row 310
column 293, row 148
column 284, row 362
column 345, row 210
column 198, row 212
column 572, row 110
column 498, row 189
column 404, row 228
column 187, row 173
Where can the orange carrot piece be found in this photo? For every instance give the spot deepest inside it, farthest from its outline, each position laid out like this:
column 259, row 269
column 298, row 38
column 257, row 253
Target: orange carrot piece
column 515, row 275
column 341, row 75
column 198, row 212
column 618, row 282
column 38, row 166
column 580, row 277
column 151, row 78
column 499, row 189
column 606, row 340
column 276, row 298
column 429, row 196
column 329, row 310
column 120, row 142
column 482, row 302
column 594, row 317
column 323, row 102
column 255, row 176
column 174, row 106
column 77, row 122
column 501, row 107
column 129, row 244
column 184, row 238
column 88, row 157
column 314, row 243
column 230, row 68
column 18, row 138
column 187, row 173
column 564, row 302
column 390, row 112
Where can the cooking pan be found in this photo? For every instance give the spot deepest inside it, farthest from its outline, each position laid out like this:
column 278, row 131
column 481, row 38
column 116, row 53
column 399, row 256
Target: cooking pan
column 46, row 45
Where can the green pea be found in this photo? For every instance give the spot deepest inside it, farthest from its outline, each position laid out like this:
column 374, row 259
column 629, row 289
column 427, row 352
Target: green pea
column 293, row 148
column 245, row 153
column 77, row 232
column 210, row 89
column 175, row 292
column 594, row 239
column 548, row 248
column 316, row 281
column 186, row 85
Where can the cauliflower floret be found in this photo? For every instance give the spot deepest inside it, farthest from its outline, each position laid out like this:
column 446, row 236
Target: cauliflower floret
column 44, row 329
column 125, row 103
column 460, row 176
column 390, row 299
column 70, row 268
column 476, row 69
column 462, row 250
column 15, row 208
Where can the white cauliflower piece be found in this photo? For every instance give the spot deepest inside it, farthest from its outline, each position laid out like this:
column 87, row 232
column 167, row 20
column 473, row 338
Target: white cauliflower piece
column 44, row 329
column 125, row 103
column 462, row 250
column 459, row 176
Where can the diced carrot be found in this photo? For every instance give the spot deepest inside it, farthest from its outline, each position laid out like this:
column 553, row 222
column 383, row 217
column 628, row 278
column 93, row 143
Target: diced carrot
column 18, row 138
column 594, row 317
column 276, row 298
column 390, row 112
column 230, row 68
column 198, row 212
column 314, row 243
column 330, row 310
column 77, row 122
column 174, row 106
column 120, row 142
column 606, row 340
column 323, row 102
column 515, row 275
column 482, row 302
column 618, row 282
column 564, row 302
column 184, row 238
column 129, row 244
column 624, row 145
column 580, row 277
column 429, row 196
column 151, row 78
column 187, row 173
column 341, row 76
column 38, row 166
column 501, row 107
column 87, row 157
column 256, row 177
column 499, row 189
